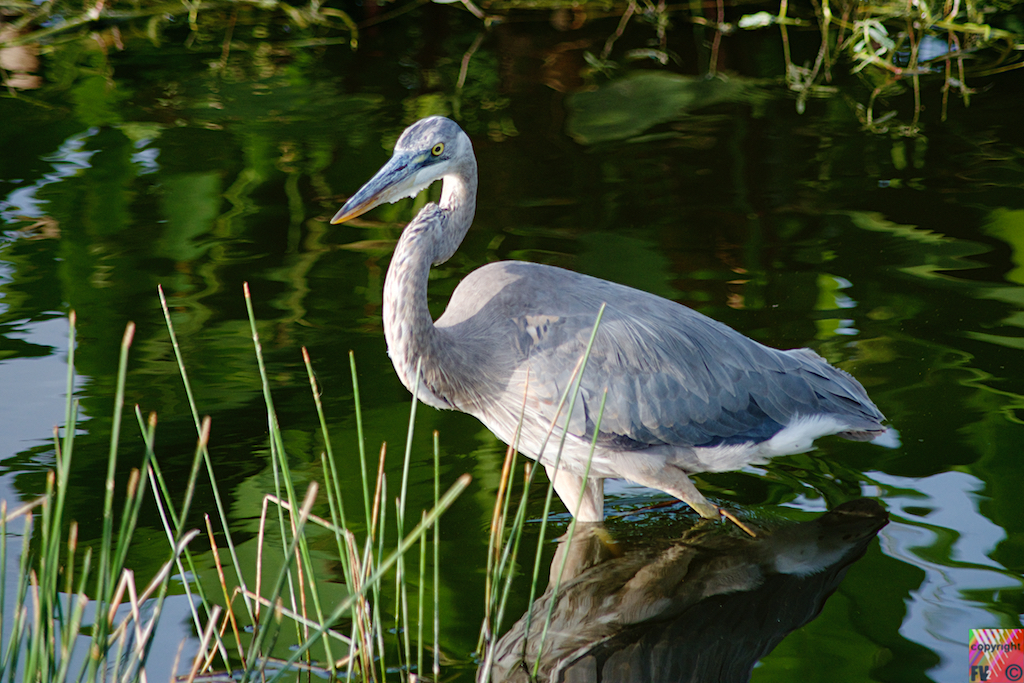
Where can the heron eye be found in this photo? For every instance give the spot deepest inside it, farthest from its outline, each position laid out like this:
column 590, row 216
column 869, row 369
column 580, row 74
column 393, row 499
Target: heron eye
column 438, row 148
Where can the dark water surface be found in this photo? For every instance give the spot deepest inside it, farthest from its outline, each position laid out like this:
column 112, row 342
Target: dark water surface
column 898, row 257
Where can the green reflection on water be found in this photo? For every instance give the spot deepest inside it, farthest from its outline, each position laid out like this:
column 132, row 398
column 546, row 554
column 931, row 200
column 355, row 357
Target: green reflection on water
column 786, row 227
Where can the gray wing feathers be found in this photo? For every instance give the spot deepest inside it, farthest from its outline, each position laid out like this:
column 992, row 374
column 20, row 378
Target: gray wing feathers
column 675, row 376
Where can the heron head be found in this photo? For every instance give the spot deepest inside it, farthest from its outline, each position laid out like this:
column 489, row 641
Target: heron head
column 428, row 150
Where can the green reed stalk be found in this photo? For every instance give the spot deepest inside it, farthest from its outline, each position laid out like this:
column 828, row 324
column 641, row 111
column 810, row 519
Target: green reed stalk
column 37, row 659
column 401, row 592
column 35, row 628
column 378, row 623
column 575, row 385
column 360, row 437
column 370, row 503
column 104, row 580
column 408, row 451
column 281, row 464
column 495, row 541
column 402, row 602
column 506, row 565
column 282, row 474
column 506, row 568
column 54, row 509
column 171, row 521
column 568, row 539
column 57, row 487
column 375, row 577
column 283, row 576
column 221, row 515
column 437, row 558
column 69, row 591
column 334, row 497
column 70, row 404
column 334, row 500
column 365, row 653
column 419, row 606
column 181, row 537
column 133, row 501
column 10, row 659
column 75, row 623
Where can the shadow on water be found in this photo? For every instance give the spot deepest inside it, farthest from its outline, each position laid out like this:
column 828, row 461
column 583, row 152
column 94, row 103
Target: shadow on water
column 704, row 607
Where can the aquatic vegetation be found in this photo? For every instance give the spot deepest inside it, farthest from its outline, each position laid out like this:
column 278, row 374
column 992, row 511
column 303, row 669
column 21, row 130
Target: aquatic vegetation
column 79, row 613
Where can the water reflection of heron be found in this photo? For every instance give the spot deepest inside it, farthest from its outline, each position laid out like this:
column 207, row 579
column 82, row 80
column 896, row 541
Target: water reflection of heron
column 686, row 394
column 705, row 607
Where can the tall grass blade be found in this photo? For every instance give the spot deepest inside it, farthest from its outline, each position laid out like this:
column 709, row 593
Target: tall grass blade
column 378, row 623
column 360, row 437
column 282, row 468
column 75, row 622
column 69, row 394
column 170, row 522
column 35, row 660
column 575, row 386
column 401, row 594
column 103, row 576
column 51, row 522
column 133, row 501
column 408, row 451
column 437, row 559
column 506, row 564
column 14, row 646
column 211, row 628
column 420, row 601
column 568, row 537
column 283, row 577
column 334, row 497
column 402, row 598
column 161, row 582
column 41, row 603
column 383, row 567
column 206, row 456
column 215, row 552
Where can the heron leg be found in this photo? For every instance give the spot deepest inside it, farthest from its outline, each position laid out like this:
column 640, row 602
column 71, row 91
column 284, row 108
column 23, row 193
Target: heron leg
column 568, row 486
column 674, row 481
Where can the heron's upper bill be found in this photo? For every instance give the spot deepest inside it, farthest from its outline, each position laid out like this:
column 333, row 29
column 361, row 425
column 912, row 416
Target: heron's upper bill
column 405, row 175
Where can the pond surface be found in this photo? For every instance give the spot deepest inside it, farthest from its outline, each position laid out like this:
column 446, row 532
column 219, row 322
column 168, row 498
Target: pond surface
column 896, row 254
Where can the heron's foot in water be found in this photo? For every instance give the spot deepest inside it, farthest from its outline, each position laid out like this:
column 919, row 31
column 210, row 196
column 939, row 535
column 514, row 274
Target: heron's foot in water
column 709, row 511
column 736, row 520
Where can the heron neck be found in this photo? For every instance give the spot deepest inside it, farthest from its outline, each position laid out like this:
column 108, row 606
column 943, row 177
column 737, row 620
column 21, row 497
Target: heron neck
column 431, row 238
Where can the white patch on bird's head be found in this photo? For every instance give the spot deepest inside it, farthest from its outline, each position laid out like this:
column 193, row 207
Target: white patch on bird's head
column 408, row 181
column 425, row 177
column 413, row 171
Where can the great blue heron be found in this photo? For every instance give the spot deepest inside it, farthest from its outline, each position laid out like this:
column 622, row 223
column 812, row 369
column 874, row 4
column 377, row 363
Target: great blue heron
column 686, row 394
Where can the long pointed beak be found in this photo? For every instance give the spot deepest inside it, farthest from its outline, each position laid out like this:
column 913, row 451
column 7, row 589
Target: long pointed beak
column 396, row 180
